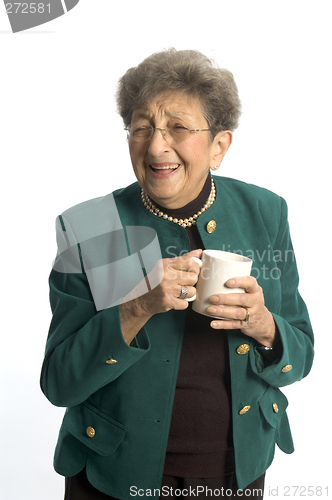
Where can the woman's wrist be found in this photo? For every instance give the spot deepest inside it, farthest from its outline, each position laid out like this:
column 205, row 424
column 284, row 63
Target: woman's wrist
column 269, row 339
column 133, row 318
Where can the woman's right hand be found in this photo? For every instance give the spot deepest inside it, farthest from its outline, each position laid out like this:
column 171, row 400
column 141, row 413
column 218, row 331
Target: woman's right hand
column 176, row 273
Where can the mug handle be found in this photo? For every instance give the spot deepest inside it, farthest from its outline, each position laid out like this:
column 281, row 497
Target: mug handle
column 199, row 262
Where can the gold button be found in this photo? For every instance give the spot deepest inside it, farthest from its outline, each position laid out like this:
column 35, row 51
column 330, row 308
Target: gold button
column 211, row 226
column 111, row 361
column 244, row 410
column 275, row 408
column 286, row 368
column 243, row 349
column 90, row 432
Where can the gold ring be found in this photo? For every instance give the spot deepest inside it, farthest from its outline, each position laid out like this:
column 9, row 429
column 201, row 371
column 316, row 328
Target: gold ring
column 184, row 292
column 246, row 321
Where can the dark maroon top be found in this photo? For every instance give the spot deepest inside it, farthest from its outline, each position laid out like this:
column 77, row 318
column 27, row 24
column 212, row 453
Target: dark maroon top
column 200, row 438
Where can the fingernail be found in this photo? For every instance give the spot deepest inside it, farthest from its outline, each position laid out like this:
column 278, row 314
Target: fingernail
column 214, row 299
column 230, row 283
column 212, row 310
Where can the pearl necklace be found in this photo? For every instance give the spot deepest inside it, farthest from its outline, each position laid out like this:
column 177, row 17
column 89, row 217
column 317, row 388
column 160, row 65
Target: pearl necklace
column 191, row 221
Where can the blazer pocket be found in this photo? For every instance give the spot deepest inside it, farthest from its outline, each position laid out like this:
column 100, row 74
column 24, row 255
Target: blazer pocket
column 273, row 406
column 94, row 428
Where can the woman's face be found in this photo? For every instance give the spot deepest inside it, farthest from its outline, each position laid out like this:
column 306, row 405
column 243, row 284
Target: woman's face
column 173, row 172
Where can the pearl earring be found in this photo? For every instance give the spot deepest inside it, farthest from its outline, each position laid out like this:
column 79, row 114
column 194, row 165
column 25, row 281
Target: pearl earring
column 215, row 167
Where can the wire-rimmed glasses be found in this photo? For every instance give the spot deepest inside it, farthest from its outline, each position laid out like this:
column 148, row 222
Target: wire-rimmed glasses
column 176, row 133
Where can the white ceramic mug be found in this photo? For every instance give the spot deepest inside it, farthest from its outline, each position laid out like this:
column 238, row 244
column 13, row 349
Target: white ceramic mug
column 217, row 267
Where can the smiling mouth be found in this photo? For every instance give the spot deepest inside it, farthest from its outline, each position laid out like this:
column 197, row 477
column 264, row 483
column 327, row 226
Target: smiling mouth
column 155, row 168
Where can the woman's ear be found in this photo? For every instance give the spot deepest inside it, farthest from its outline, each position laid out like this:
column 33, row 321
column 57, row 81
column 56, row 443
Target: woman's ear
column 220, row 145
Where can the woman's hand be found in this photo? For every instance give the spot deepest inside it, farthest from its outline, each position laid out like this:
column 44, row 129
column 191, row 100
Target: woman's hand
column 176, row 273
column 260, row 323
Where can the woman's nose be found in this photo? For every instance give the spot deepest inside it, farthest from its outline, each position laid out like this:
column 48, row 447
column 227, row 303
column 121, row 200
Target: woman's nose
column 158, row 143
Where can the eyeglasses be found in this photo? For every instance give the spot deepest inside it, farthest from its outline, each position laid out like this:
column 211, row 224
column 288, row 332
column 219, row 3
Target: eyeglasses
column 176, row 133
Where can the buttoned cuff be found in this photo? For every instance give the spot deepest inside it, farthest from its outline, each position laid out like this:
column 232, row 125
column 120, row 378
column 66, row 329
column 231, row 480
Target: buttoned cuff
column 265, row 358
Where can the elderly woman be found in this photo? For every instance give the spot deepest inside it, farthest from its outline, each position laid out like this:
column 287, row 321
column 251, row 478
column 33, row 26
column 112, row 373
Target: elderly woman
column 161, row 400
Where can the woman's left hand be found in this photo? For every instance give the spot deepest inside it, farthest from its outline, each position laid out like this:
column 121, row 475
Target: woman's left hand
column 260, row 323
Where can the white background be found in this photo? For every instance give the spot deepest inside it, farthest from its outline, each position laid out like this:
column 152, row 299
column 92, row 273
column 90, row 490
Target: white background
column 62, row 142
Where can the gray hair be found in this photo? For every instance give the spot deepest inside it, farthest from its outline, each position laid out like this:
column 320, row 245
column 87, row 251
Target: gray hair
column 186, row 71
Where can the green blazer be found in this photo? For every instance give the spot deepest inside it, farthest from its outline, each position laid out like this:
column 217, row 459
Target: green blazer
column 118, row 397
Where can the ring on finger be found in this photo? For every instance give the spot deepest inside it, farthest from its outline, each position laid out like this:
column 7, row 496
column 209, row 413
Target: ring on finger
column 184, row 292
column 246, row 320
